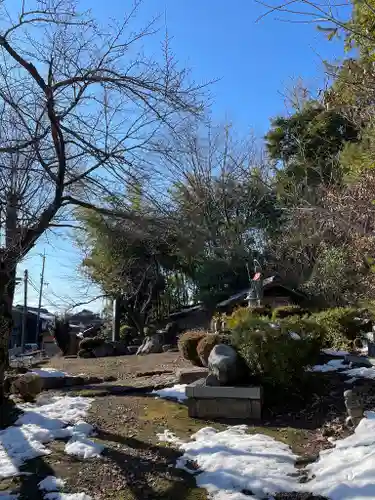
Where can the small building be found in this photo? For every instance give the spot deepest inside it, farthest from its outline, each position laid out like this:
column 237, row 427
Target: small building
column 274, row 294
column 45, row 321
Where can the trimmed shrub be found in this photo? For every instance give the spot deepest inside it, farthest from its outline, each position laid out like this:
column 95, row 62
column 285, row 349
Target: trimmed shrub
column 188, row 343
column 127, row 333
column 207, row 343
column 286, row 311
column 91, row 343
column 272, row 355
column 243, row 314
column 341, row 326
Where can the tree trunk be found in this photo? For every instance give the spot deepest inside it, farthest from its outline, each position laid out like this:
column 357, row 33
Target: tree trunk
column 7, row 286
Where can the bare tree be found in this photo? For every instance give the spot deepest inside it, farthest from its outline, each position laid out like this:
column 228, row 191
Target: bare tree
column 81, row 109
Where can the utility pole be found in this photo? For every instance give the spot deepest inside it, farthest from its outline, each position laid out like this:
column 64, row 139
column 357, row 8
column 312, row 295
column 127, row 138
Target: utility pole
column 24, row 317
column 40, row 297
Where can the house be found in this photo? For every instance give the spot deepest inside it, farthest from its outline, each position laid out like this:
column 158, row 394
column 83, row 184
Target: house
column 31, row 337
column 193, row 317
column 275, row 293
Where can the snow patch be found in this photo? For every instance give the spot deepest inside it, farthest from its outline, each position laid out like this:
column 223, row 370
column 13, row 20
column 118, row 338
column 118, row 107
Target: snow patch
column 332, row 352
column 49, row 373
column 231, row 461
column 67, row 496
column 51, row 483
column 175, row 392
column 330, row 366
column 48, row 419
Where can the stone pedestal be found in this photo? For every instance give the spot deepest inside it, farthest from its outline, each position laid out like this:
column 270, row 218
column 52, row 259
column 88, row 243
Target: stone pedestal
column 240, row 403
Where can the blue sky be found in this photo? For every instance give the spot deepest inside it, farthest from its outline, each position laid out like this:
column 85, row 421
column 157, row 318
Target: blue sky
column 218, row 39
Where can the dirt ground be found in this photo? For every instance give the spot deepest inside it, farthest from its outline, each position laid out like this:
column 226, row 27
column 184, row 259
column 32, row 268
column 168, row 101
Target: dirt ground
column 123, row 368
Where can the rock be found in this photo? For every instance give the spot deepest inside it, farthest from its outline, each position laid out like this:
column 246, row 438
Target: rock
column 120, row 348
column 85, row 353
column 132, row 349
column 28, row 386
column 354, row 407
column 357, row 361
column 104, row 350
column 212, row 380
column 167, row 347
column 136, row 341
column 151, row 345
column 170, row 333
column 225, row 364
column 189, row 375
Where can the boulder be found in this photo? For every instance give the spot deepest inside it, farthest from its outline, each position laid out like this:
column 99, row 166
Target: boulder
column 104, row 350
column 151, row 345
column 167, row 347
column 225, row 364
column 132, row 349
column 120, row 348
column 85, row 353
column 170, row 333
column 28, row 386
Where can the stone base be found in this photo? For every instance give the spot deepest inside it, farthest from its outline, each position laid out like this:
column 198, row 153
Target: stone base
column 241, row 403
column 228, row 408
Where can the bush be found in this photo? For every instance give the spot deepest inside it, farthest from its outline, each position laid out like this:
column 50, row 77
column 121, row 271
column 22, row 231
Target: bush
column 207, row 343
column 127, row 333
column 340, row 324
column 272, row 355
column 285, row 311
column 91, row 343
column 187, row 345
column 243, row 314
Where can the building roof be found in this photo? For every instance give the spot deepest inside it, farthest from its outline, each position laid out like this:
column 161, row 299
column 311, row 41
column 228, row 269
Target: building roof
column 268, row 283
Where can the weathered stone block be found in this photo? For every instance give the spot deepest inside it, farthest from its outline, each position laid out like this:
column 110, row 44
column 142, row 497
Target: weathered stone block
column 189, row 375
column 199, row 389
column 228, row 408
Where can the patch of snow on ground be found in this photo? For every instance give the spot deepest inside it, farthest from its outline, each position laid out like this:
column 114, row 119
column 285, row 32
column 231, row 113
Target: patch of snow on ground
column 346, row 472
column 175, row 392
column 48, row 419
column 331, row 366
column 332, row 352
column 67, row 496
column 361, row 372
column 8, row 496
column 232, row 461
column 49, row 373
column 51, row 483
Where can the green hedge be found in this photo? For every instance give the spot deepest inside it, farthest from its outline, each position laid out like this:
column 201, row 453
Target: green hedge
column 340, row 325
column 273, row 355
column 285, row 311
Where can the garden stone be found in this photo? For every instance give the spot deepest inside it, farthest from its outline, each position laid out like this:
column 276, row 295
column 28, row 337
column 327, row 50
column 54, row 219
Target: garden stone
column 132, row 349
column 167, row 347
column 151, row 345
column 354, row 407
column 103, row 350
column 190, row 375
column 120, row 348
column 225, row 364
column 212, row 380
